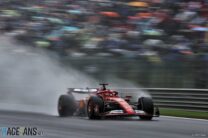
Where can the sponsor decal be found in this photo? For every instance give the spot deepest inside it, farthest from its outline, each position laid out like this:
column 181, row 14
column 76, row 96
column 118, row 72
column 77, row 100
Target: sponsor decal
column 116, row 112
column 139, row 112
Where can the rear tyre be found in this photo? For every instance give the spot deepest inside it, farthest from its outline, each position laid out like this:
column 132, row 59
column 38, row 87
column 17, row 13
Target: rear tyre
column 146, row 104
column 95, row 107
column 66, row 105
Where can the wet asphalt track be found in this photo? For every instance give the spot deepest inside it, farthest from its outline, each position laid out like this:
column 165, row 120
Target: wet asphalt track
column 76, row 127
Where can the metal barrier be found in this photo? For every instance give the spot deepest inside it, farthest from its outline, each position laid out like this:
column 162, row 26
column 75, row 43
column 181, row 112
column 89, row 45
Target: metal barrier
column 190, row 99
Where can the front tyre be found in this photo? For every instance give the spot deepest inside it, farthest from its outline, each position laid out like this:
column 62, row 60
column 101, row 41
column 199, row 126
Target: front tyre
column 66, row 105
column 146, row 104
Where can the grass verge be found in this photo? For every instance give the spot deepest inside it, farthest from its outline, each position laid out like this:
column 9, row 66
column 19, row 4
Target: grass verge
column 183, row 113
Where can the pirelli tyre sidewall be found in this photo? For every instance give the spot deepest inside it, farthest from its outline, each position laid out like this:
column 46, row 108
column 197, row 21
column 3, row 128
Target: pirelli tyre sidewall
column 95, row 107
column 66, row 105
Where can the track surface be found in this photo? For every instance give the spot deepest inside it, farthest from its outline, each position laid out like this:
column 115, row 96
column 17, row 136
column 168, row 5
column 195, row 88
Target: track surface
column 76, row 127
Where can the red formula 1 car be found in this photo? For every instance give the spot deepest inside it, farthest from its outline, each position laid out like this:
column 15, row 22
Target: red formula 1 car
column 102, row 102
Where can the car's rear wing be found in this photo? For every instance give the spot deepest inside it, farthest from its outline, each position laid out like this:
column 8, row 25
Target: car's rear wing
column 82, row 90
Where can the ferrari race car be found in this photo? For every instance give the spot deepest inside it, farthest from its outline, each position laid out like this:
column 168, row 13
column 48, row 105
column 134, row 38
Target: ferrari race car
column 102, row 102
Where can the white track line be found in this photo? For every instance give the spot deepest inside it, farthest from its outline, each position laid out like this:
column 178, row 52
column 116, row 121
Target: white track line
column 184, row 118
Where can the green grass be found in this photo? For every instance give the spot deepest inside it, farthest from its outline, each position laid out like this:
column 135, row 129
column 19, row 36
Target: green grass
column 183, row 113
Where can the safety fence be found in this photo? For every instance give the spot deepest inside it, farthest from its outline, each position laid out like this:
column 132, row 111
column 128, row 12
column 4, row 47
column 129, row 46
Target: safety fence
column 190, row 99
